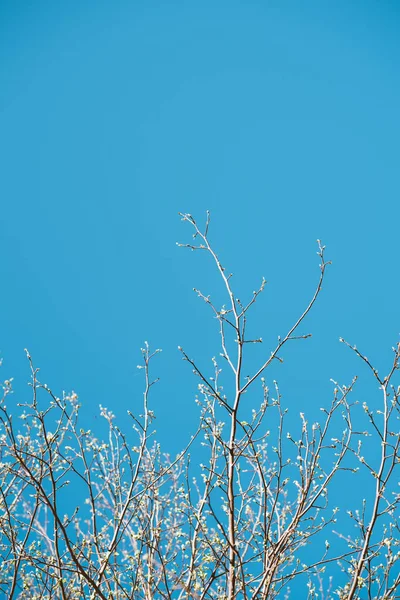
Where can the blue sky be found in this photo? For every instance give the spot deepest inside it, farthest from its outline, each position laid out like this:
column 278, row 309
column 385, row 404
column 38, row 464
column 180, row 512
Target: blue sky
column 281, row 118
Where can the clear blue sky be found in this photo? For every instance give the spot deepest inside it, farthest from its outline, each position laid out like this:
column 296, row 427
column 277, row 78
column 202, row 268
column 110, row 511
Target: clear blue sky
column 281, row 117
